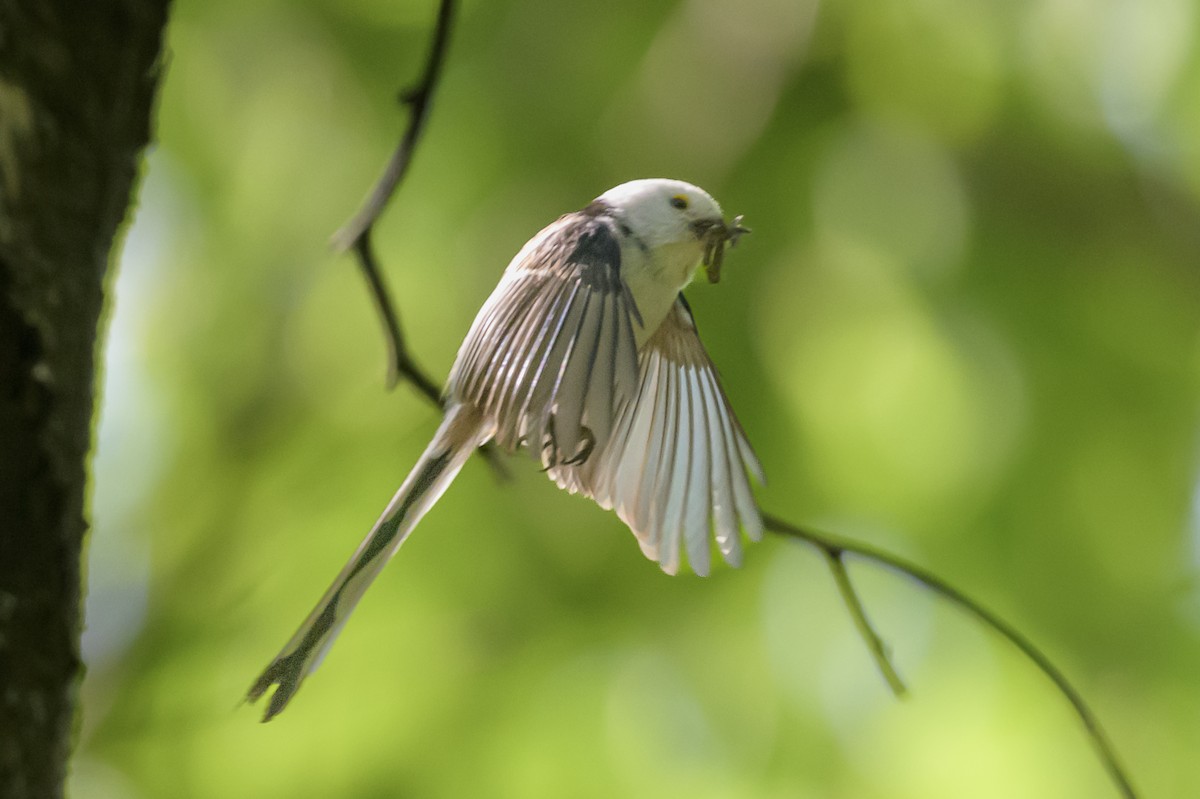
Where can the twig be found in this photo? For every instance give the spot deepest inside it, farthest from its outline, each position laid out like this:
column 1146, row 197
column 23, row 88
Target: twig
column 834, row 558
column 401, row 362
column 356, row 234
column 834, row 548
column 418, row 100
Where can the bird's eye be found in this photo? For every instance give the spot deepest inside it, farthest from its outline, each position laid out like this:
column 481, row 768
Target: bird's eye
column 680, row 201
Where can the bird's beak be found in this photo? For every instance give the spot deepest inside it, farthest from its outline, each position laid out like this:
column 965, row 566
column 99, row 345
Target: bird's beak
column 716, row 233
column 706, row 227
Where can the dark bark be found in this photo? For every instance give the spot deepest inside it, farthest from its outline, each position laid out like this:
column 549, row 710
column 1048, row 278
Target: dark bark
column 77, row 88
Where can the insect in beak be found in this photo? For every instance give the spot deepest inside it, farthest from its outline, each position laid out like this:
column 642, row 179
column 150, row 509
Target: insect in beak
column 716, row 233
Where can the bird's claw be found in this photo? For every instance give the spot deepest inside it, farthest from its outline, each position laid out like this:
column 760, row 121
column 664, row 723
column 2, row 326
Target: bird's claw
column 550, row 461
column 588, row 439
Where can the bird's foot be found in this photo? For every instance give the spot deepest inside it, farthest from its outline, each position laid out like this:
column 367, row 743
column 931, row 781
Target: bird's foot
column 588, row 443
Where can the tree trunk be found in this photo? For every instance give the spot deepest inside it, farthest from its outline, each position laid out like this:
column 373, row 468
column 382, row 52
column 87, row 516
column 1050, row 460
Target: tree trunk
column 77, row 88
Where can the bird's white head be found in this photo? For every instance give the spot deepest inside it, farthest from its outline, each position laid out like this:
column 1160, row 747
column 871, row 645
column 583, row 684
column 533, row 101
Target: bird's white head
column 660, row 212
column 667, row 228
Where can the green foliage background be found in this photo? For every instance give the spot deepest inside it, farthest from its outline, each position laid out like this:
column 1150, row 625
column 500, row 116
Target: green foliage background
column 966, row 328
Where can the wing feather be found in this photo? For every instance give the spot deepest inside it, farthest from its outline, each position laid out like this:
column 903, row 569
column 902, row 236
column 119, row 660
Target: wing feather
column 601, row 373
column 664, row 484
column 725, row 528
column 570, row 389
column 648, row 500
column 699, row 510
column 675, row 468
column 676, row 471
column 552, row 350
column 539, row 392
column 747, row 509
column 628, row 476
column 505, row 364
column 534, row 342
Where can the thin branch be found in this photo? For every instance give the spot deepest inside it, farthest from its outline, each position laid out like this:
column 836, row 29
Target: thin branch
column 356, row 234
column 401, row 362
column 835, row 546
column 834, row 558
column 418, row 100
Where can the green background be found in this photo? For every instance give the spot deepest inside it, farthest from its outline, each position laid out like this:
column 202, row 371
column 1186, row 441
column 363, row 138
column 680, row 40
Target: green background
column 966, row 329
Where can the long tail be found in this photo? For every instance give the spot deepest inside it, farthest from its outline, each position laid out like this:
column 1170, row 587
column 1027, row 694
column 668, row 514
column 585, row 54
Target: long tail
column 461, row 431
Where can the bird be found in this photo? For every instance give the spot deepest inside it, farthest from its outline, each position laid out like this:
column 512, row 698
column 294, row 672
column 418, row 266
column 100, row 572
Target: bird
column 586, row 355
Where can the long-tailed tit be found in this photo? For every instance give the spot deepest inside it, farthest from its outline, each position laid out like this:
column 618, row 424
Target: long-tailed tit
column 585, row 355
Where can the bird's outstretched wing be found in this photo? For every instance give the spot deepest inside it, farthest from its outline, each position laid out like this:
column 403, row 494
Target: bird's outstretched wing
column 552, row 354
column 675, row 467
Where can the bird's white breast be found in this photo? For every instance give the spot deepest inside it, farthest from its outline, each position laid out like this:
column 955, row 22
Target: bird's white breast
column 655, row 277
